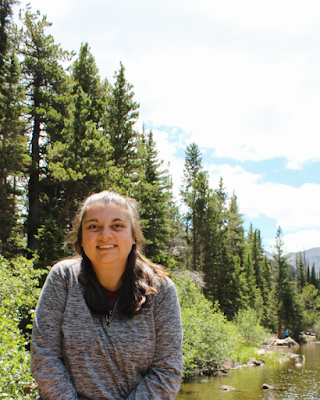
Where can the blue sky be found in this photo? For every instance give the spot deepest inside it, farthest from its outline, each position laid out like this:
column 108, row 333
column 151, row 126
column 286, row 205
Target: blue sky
column 241, row 79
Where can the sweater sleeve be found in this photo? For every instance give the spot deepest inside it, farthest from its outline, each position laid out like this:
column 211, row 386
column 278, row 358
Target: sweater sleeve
column 47, row 364
column 163, row 379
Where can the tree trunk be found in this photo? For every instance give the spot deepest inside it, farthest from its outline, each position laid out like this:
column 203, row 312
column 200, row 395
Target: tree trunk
column 2, row 182
column 33, row 187
column 194, row 241
column 63, row 216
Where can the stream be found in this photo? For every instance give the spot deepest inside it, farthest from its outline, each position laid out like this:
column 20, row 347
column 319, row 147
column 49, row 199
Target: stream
column 298, row 383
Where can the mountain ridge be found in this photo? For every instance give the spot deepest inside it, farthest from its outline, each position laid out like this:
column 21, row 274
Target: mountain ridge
column 311, row 256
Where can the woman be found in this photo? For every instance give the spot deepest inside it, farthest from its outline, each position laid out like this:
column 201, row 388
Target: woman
column 107, row 324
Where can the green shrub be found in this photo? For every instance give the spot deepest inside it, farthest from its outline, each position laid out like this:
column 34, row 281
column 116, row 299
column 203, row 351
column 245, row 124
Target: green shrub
column 248, row 324
column 19, row 293
column 209, row 339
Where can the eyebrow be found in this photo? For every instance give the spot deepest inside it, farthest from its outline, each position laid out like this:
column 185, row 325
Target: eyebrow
column 96, row 220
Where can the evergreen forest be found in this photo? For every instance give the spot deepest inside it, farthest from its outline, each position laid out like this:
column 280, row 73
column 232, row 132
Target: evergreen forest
column 65, row 133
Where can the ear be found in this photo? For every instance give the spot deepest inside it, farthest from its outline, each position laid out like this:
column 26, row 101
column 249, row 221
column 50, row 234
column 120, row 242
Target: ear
column 133, row 241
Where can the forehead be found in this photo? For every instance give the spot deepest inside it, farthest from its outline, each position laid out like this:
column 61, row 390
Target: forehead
column 110, row 210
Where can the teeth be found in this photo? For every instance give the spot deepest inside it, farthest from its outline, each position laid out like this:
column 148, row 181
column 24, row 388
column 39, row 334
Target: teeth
column 108, row 246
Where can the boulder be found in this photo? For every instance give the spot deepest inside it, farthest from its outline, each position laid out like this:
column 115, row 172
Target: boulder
column 268, row 387
column 287, row 342
column 254, row 362
column 226, row 388
column 220, row 373
column 230, row 364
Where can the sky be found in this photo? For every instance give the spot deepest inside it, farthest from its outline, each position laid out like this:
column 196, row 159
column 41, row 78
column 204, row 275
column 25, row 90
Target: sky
column 241, row 79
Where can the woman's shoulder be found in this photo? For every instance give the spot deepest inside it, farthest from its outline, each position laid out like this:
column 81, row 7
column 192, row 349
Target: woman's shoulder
column 66, row 268
column 165, row 287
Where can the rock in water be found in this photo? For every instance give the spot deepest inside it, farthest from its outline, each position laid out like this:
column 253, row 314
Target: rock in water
column 268, row 387
column 226, row 388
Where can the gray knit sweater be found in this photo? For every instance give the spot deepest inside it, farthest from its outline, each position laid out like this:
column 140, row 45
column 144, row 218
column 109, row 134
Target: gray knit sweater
column 76, row 355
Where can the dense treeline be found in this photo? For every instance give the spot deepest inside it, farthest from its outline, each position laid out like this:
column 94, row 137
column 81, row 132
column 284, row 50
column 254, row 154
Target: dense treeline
column 66, row 133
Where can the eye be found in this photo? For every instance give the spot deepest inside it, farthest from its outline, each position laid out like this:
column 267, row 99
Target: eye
column 118, row 226
column 93, row 226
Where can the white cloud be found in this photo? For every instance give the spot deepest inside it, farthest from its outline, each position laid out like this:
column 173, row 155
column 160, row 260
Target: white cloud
column 301, row 240
column 293, row 208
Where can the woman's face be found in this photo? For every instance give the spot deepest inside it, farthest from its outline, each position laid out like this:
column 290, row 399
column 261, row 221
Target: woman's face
column 107, row 238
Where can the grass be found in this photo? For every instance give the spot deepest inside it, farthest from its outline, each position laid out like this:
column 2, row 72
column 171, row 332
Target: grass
column 241, row 355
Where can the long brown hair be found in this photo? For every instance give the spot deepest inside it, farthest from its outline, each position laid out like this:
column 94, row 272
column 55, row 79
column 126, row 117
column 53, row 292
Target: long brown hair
column 141, row 274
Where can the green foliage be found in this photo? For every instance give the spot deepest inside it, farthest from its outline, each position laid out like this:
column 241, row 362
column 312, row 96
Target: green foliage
column 79, row 160
column 287, row 306
column 248, row 324
column 19, row 293
column 194, row 193
column 13, row 141
column 311, row 305
column 152, row 193
column 301, row 279
column 118, row 123
column 209, row 339
column 47, row 89
column 50, row 248
column 85, row 74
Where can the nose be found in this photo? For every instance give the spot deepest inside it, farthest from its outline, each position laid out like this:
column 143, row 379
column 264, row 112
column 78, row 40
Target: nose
column 105, row 232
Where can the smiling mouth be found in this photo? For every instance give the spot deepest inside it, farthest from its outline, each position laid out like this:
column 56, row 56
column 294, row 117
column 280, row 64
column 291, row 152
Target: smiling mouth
column 108, row 246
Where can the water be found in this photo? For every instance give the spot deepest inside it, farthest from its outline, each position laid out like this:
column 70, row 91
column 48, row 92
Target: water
column 299, row 383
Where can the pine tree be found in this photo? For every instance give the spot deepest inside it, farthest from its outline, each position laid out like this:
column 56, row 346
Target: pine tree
column 13, row 142
column 300, row 273
column 222, row 257
column 178, row 249
column 152, row 191
column 236, row 278
column 288, row 309
column 308, row 277
column 201, row 206
column 256, row 251
column 189, row 192
column 235, row 232
column 267, row 273
column 45, row 81
column 85, row 73
column 5, row 23
column 79, row 161
column 313, row 278
column 13, row 149
column 119, row 121
column 251, row 282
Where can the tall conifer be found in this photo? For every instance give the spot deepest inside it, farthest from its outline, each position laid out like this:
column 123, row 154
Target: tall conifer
column 288, row 309
column 301, row 279
column 80, row 160
column 152, row 191
column 122, row 113
column 85, row 74
column 189, row 192
column 45, row 81
column 13, row 141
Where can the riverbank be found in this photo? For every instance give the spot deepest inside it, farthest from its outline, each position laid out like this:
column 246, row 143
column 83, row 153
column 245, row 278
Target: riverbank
column 246, row 356
column 282, row 371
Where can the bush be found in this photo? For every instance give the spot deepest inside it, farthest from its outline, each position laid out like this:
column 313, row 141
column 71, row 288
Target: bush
column 248, row 324
column 209, row 339
column 19, row 293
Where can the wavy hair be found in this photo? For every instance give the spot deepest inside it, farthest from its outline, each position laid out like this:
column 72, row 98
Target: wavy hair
column 141, row 275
